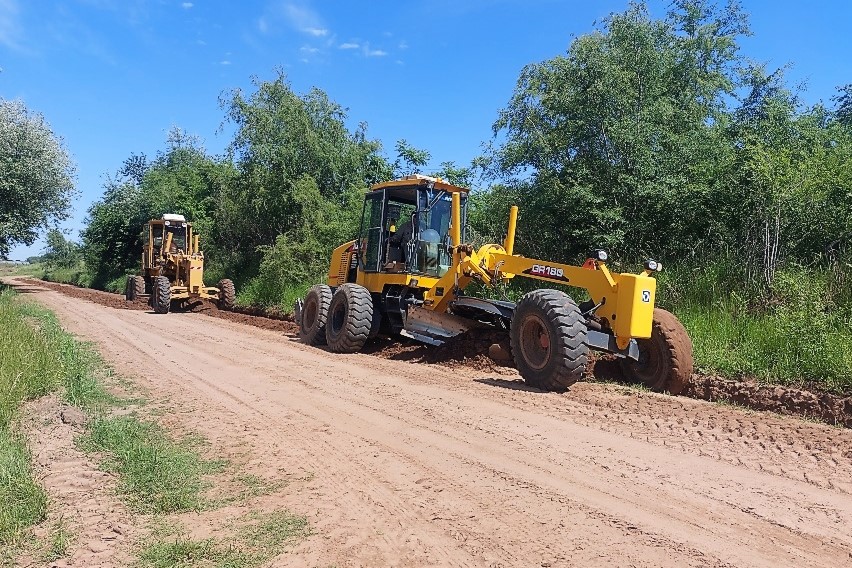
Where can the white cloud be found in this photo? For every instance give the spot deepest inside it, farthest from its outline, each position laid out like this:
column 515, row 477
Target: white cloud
column 308, row 49
column 349, row 45
column 373, row 52
column 305, row 20
column 11, row 30
column 403, row 44
column 187, row 5
column 225, row 62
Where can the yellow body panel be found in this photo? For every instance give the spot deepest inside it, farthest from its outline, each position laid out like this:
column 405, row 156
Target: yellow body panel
column 195, row 277
column 376, row 281
column 339, row 267
column 633, row 313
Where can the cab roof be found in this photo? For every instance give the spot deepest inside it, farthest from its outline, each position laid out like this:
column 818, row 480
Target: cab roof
column 417, row 180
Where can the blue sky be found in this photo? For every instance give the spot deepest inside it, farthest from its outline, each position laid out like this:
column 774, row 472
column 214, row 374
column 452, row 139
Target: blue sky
column 113, row 76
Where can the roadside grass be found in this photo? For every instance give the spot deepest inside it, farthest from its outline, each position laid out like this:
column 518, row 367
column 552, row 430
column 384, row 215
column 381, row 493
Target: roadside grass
column 157, row 474
column 271, row 294
column 76, row 275
column 798, row 333
column 24, row 501
column 259, row 538
column 15, row 269
column 36, row 358
column 59, row 540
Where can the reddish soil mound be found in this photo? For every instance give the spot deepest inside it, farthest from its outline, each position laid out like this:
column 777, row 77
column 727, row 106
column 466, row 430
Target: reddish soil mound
column 830, row 408
column 469, row 349
column 276, row 321
column 273, row 322
column 99, row 297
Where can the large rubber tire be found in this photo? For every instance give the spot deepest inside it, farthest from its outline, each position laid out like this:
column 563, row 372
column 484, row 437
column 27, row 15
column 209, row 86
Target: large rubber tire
column 130, row 289
column 314, row 315
column 665, row 360
column 227, row 294
column 548, row 338
column 350, row 318
column 161, row 298
column 137, row 287
column 376, row 323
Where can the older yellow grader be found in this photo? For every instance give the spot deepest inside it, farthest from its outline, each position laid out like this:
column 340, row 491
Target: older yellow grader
column 173, row 267
column 410, row 280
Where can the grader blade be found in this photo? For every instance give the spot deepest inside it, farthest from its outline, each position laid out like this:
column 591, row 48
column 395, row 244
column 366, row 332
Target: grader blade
column 433, row 327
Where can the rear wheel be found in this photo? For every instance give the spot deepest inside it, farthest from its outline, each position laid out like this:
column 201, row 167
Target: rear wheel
column 350, row 319
column 665, row 360
column 548, row 339
column 138, row 285
column 161, row 299
column 129, row 289
column 227, row 294
column 314, row 315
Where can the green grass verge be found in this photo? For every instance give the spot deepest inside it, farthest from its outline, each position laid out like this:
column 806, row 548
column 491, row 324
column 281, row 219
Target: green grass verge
column 262, row 536
column 36, row 358
column 157, row 473
column 24, row 501
column 797, row 333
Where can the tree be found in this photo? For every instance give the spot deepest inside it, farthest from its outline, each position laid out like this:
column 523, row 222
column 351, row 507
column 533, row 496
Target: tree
column 409, row 160
column 60, row 252
column 182, row 179
column 36, row 176
column 619, row 142
column 844, row 104
column 285, row 145
column 112, row 237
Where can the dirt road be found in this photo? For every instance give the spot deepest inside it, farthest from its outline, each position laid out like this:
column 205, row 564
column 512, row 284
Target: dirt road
column 419, row 465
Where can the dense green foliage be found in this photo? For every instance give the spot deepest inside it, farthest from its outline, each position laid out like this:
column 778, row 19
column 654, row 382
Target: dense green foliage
column 297, row 192
column 36, row 176
column 648, row 137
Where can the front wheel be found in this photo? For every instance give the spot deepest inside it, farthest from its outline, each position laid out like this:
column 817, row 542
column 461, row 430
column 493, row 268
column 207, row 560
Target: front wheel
column 665, row 360
column 161, row 298
column 227, row 294
column 350, row 318
column 548, row 338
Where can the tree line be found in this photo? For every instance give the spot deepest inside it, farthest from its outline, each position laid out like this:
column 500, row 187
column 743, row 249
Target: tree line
column 648, row 137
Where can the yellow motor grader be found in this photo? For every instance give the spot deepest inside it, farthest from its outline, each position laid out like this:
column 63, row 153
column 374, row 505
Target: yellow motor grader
column 410, row 280
column 173, row 267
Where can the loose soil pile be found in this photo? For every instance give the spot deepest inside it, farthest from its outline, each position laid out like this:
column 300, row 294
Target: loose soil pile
column 470, row 350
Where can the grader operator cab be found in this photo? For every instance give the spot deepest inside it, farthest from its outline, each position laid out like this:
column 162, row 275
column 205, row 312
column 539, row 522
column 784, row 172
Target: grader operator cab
column 407, row 272
column 173, row 267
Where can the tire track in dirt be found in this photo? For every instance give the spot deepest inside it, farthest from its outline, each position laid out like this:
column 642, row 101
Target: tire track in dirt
column 82, row 501
column 475, row 474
